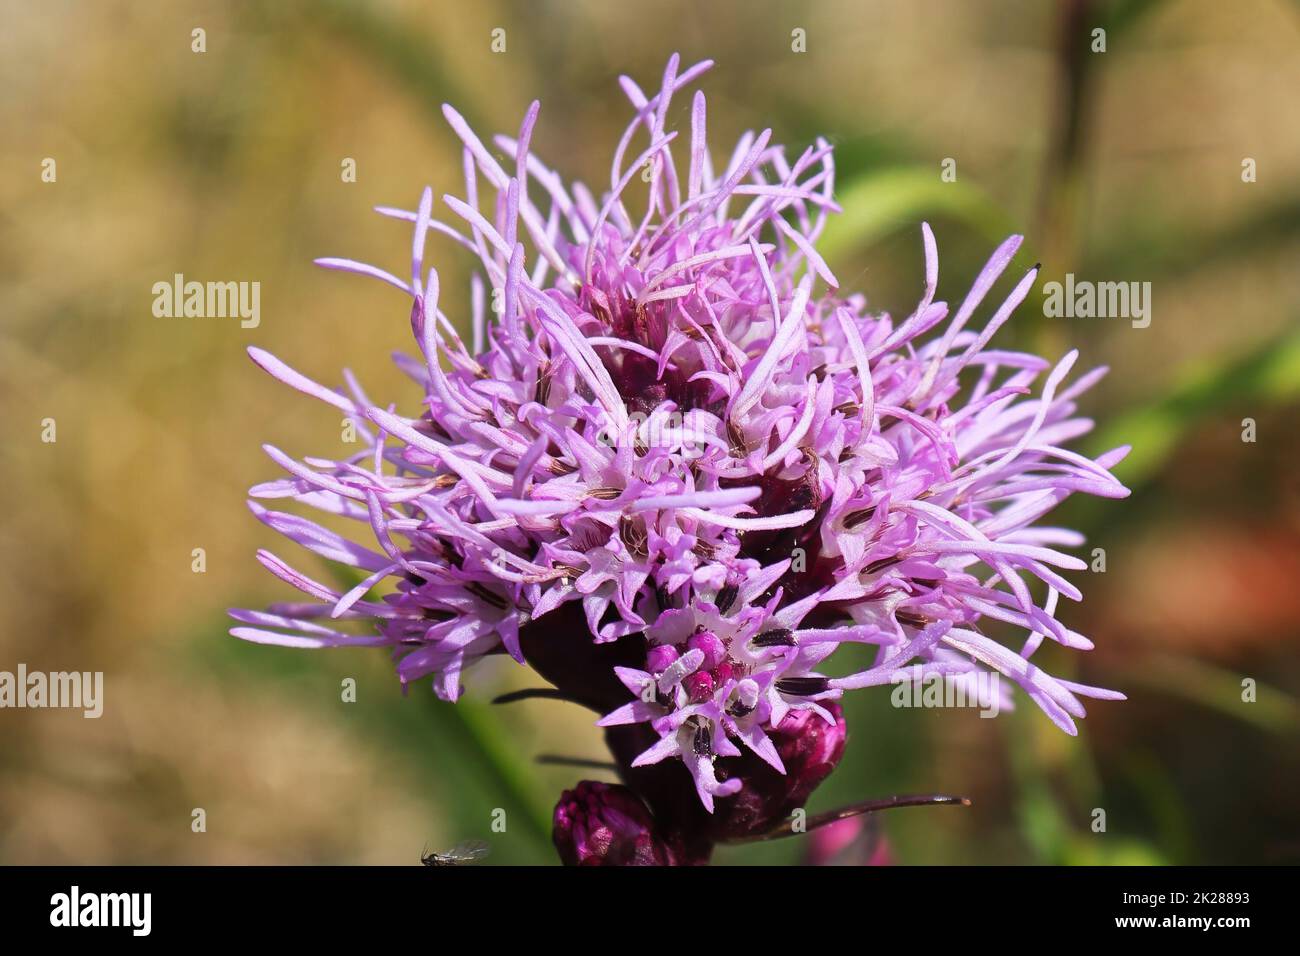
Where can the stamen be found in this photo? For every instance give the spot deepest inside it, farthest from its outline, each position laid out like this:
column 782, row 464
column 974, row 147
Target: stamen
column 703, row 743
column 632, row 535
column 740, row 709
column 802, row 686
column 778, row 637
column 855, row 518
column 664, row 598
column 726, row 598
column 495, row 600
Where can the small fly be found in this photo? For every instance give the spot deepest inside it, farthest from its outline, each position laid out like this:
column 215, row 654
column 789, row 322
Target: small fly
column 470, row 851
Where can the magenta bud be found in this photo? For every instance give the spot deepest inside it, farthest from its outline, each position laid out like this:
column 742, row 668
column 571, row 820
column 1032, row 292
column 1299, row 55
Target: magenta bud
column 606, row 824
column 660, row 656
column 699, row 686
column 809, row 746
column 715, row 652
column 810, row 749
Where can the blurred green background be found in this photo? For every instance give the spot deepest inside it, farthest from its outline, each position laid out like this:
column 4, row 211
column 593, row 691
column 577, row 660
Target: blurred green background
column 1122, row 165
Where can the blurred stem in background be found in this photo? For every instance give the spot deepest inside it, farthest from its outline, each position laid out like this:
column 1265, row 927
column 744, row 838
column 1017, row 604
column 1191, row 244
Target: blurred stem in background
column 1057, row 227
column 1059, row 222
column 1046, row 820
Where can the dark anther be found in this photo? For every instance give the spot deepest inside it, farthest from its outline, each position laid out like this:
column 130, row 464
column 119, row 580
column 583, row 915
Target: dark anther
column 543, row 383
column 778, row 637
column 739, row 709
column 911, row 618
column 663, row 597
column 880, row 565
column 726, row 597
column 496, row 600
column 738, row 444
column 415, row 579
column 855, row 518
column 632, row 536
column 450, row 554
column 802, row 686
column 605, row 494
column 703, row 744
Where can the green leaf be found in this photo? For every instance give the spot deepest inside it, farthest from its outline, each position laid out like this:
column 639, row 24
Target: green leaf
column 1220, row 690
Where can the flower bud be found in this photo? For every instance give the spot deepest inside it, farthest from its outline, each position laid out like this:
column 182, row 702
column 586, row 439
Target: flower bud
column 604, row 824
column 699, row 687
column 715, row 652
column 659, row 657
column 809, row 747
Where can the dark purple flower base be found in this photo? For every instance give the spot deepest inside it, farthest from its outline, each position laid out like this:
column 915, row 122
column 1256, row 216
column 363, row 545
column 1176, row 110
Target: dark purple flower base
column 656, row 818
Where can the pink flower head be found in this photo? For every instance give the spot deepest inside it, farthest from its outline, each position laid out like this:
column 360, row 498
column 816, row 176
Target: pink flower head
column 601, row 824
column 675, row 467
